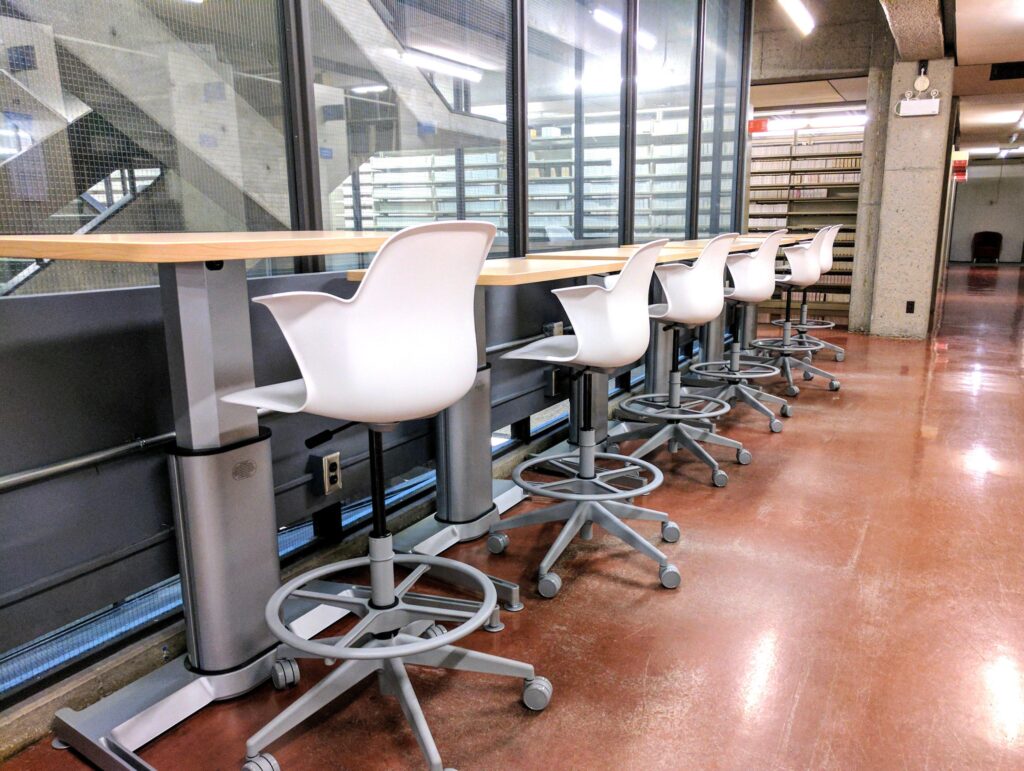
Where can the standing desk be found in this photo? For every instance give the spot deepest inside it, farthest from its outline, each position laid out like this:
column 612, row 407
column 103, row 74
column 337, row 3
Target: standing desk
column 222, row 486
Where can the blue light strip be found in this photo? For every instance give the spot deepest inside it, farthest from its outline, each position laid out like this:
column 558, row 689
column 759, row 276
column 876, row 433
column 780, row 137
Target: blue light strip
column 60, row 647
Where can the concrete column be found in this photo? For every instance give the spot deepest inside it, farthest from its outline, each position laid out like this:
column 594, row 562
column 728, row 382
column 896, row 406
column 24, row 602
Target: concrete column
column 911, row 210
column 872, row 176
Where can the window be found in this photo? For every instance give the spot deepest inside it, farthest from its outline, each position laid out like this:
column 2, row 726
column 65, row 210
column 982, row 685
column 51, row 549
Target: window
column 574, row 86
column 720, row 115
column 411, row 113
column 153, row 116
column 664, row 70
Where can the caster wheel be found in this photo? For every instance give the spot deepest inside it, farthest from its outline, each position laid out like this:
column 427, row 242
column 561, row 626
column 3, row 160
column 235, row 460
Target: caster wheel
column 612, row 449
column 775, row 425
column 669, row 576
column 537, row 693
column 669, row 532
column 497, row 543
column 808, row 376
column 787, row 411
column 262, row 762
column 792, row 390
column 841, row 356
column 434, row 630
column 549, row 585
column 743, row 457
column 833, row 385
column 808, row 359
column 285, row 674
column 719, row 478
column 587, row 532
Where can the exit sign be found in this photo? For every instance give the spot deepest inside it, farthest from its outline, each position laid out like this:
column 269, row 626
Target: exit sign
column 757, row 125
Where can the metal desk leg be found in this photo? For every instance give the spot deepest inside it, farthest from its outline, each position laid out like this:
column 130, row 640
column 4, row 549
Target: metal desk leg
column 469, row 500
column 224, row 512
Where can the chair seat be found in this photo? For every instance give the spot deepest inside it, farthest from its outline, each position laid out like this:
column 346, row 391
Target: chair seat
column 289, row 396
column 555, row 349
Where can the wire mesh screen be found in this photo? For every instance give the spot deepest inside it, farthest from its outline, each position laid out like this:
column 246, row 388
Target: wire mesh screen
column 137, row 116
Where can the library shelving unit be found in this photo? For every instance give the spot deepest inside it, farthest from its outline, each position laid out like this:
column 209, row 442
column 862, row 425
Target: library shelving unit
column 408, row 187
column 803, row 182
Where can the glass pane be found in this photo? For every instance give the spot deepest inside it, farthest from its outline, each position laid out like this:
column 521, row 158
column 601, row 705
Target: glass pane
column 664, row 62
column 723, row 52
column 411, row 113
column 135, row 116
column 574, row 84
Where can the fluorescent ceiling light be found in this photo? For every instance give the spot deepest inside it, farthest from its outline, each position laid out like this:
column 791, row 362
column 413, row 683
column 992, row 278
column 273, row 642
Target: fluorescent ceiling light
column 1017, row 151
column 459, row 57
column 799, row 15
column 1003, row 153
column 374, row 89
column 609, row 20
column 444, row 66
column 982, row 150
column 824, row 121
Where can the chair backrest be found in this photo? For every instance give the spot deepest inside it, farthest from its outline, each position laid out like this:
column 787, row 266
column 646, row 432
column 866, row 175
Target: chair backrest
column 805, row 261
column 612, row 325
column 753, row 275
column 825, row 256
column 696, row 293
column 404, row 346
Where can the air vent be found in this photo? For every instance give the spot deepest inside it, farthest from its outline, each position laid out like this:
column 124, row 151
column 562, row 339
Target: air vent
column 1007, row 71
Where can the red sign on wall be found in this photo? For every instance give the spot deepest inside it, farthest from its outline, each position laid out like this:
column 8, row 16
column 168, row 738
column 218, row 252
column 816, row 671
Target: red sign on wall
column 757, row 125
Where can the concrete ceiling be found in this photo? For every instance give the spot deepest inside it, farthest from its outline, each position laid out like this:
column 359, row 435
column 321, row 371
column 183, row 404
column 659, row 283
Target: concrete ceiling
column 989, row 31
column 809, row 92
column 991, row 120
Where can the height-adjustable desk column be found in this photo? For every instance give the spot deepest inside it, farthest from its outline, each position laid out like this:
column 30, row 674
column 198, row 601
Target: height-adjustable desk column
column 221, row 472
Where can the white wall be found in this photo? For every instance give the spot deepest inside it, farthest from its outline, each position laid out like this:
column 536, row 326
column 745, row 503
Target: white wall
column 992, row 198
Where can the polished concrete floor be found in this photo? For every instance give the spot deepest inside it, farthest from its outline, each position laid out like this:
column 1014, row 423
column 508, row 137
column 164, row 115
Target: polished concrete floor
column 853, row 599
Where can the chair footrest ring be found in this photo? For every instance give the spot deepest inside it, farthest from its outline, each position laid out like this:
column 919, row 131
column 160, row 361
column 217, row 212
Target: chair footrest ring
column 470, row 615
column 809, row 324
column 796, row 345
column 655, row 407
column 720, row 370
column 597, row 489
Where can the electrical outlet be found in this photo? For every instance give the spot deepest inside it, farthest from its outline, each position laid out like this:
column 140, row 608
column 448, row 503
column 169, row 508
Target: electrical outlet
column 554, row 328
column 910, row 306
column 327, row 472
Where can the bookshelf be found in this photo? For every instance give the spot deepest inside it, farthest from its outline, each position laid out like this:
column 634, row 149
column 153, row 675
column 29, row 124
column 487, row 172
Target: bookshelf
column 408, row 187
column 803, row 182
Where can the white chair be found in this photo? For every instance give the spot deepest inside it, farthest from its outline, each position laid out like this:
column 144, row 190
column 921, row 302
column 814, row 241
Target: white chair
column 610, row 330
column 805, row 324
column 787, row 352
column 753, row 281
column 403, row 347
column 694, row 295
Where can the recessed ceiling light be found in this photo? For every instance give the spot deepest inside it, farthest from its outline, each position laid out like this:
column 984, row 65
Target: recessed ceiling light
column 375, row 89
column 799, row 15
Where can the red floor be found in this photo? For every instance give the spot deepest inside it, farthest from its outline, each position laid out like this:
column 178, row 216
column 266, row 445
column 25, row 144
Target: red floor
column 853, row 599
